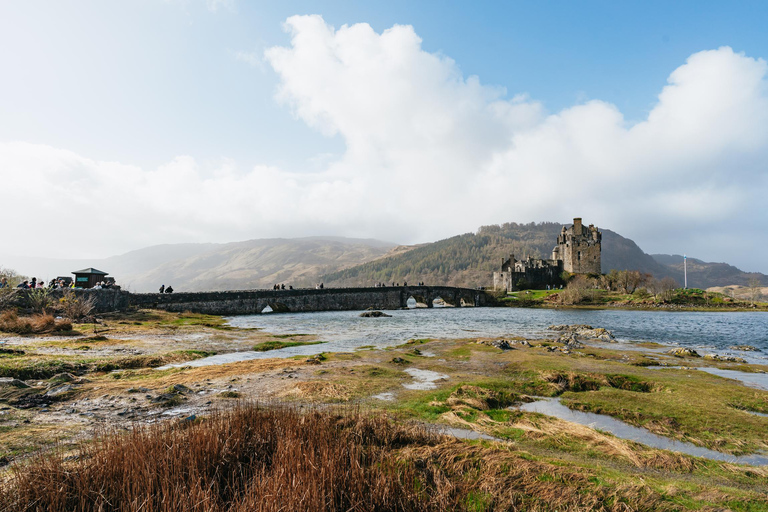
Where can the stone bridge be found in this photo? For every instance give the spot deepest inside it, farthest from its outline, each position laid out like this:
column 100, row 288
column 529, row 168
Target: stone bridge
column 248, row 302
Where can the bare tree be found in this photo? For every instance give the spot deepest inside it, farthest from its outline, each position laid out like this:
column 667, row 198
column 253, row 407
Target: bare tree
column 629, row 280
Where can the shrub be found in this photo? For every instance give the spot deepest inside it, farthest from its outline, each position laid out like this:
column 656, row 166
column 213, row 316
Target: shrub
column 40, row 300
column 75, row 308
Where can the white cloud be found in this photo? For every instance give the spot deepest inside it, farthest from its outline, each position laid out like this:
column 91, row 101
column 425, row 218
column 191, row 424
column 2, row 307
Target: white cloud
column 216, row 5
column 251, row 58
column 431, row 153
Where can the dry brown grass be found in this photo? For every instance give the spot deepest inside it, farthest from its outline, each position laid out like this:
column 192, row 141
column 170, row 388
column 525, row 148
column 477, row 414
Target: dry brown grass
column 247, row 459
column 314, row 390
column 36, row 324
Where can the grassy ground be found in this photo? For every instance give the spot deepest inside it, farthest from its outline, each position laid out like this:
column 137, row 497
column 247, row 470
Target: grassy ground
column 541, row 463
column 690, row 299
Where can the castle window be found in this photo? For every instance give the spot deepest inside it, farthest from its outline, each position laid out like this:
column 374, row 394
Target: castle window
column 578, row 255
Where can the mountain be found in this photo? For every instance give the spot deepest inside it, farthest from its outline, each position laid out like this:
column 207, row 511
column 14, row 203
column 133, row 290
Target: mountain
column 470, row 259
column 239, row 265
column 702, row 274
column 464, row 260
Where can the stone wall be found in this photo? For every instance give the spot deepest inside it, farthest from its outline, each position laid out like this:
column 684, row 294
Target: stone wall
column 249, row 302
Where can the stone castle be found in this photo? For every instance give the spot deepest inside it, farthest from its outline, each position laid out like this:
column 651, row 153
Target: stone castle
column 577, row 252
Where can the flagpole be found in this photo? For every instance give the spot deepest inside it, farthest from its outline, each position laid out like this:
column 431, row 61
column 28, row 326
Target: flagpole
column 685, row 270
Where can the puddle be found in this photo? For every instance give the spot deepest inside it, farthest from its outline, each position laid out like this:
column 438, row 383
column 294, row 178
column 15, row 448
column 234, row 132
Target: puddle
column 425, row 379
column 388, row 396
column 755, row 413
column 178, row 411
column 553, row 407
column 463, row 433
column 753, row 380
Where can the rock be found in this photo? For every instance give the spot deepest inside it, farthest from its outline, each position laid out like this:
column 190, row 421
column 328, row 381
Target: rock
column 597, row 334
column 316, row 359
column 574, row 327
column 189, row 419
column 570, row 340
column 59, row 390
column 181, row 389
column 683, row 352
column 584, row 331
column 744, row 348
column 399, row 360
column 16, row 383
column 727, row 359
column 374, row 314
column 501, row 344
column 522, row 343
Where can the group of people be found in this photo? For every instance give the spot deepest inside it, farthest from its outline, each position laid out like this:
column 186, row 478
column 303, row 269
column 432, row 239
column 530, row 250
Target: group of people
column 281, row 287
column 54, row 284
column 384, row 285
column 163, row 289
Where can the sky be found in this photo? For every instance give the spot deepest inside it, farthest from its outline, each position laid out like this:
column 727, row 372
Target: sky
column 130, row 124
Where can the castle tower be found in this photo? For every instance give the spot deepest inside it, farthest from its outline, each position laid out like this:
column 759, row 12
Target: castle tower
column 579, row 247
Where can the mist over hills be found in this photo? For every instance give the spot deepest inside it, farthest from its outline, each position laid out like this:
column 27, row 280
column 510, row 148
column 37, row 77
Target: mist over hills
column 463, row 260
column 237, row 265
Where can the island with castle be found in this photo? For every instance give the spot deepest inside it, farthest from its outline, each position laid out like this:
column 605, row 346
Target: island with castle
column 577, row 252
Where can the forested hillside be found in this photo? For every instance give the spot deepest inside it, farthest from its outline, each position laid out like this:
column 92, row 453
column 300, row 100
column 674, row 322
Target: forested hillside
column 470, row 259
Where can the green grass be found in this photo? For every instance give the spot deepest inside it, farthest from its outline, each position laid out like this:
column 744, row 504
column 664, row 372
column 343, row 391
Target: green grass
column 265, row 346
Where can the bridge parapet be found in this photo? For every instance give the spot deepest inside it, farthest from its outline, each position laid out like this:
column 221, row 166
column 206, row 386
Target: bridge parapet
column 248, row 302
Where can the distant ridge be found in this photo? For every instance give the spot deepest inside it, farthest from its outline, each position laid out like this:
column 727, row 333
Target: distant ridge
column 471, row 258
column 702, row 274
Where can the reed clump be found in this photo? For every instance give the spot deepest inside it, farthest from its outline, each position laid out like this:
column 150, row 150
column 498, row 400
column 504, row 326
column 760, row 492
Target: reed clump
column 247, row 459
column 35, row 324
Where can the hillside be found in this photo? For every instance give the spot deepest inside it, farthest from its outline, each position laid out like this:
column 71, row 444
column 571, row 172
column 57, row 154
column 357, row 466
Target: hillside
column 702, row 274
column 470, row 259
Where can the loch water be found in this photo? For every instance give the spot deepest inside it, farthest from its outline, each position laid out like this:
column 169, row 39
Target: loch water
column 346, row 331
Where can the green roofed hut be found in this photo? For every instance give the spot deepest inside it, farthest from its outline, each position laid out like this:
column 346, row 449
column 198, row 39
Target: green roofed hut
column 88, row 277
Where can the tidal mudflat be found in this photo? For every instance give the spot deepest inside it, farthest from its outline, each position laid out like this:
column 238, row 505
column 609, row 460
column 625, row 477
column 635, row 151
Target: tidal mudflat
column 66, row 389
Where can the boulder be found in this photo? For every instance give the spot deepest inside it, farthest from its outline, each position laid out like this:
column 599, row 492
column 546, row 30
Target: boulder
column 59, row 390
column 574, row 327
column 374, row 314
column 727, row 359
column 744, row 348
column 584, row 332
column 683, row 352
column 16, row 383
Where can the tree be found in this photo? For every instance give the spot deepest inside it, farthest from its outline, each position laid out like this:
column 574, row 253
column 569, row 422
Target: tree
column 662, row 288
column 13, row 277
column 629, row 280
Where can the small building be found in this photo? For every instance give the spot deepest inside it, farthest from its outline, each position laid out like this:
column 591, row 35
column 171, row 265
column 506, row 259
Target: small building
column 89, row 277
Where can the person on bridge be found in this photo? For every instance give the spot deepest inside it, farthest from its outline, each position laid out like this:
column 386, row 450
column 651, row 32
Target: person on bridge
column 162, row 288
